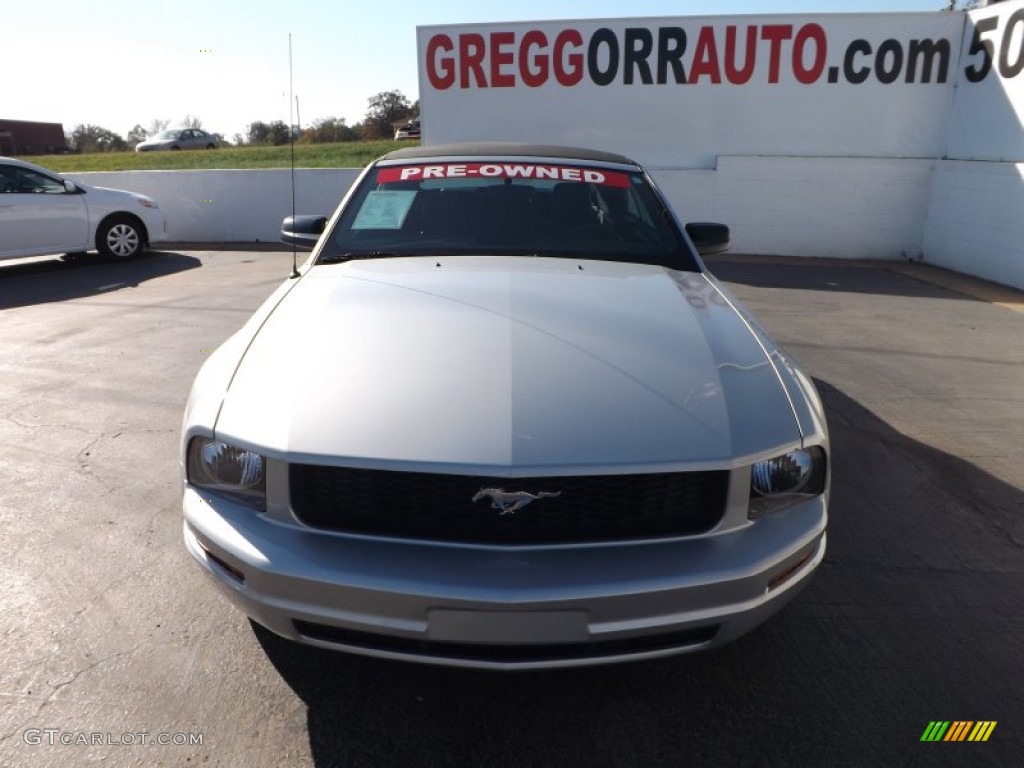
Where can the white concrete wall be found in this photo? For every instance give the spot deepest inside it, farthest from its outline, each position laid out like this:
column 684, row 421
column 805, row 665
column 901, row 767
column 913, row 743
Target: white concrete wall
column 230, row 206
column 975, row 220
column 849, row 208
column 965, row 216
column 839, row 207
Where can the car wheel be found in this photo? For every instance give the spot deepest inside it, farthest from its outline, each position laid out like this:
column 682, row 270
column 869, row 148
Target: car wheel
column 211, row 146
column 175, row 148
column 120, row 237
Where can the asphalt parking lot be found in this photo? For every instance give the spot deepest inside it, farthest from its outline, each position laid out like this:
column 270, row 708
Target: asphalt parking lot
column 107, row 629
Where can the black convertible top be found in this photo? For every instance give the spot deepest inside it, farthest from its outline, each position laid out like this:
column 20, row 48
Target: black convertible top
column 507, row 149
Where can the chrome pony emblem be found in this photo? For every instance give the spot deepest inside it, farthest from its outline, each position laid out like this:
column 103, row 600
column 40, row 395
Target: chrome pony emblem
column 510, row 502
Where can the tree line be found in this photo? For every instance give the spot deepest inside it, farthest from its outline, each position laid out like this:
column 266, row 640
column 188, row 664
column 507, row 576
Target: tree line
column 383, row 110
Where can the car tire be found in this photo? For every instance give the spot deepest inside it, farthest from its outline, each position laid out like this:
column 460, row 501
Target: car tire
column 175, row 148
column 211, row 146
column 120, row 238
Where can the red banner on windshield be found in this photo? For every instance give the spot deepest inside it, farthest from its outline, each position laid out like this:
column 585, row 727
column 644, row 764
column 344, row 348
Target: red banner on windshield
column 502, row 171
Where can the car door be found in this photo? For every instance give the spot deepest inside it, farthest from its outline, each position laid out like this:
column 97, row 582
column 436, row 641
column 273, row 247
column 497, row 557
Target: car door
column 38, row 215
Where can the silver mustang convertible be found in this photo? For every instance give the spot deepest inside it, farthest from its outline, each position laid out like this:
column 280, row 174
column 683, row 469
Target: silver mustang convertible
column 504, row 417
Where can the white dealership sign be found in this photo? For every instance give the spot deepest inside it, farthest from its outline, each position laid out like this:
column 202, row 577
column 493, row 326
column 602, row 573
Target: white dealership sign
column 678, row 92
column 989, row 106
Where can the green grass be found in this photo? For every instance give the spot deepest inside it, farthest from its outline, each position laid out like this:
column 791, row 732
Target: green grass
column 351, row 154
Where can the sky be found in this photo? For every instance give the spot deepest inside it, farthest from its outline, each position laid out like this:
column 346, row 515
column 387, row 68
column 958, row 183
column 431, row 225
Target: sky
column 117, row 64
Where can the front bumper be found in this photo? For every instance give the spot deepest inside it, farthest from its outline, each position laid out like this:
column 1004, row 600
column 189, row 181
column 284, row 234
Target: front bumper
column 505, row 608
column 156, row 224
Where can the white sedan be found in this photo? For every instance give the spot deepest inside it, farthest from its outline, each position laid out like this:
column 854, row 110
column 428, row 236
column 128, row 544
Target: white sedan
column 504, row 417
column 41, row 213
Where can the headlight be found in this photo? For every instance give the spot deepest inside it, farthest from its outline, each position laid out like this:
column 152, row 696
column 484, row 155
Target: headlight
column 225, row 469
column 784, row 480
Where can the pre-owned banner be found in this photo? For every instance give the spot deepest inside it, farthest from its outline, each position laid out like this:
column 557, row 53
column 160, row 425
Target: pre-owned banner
column 677, row 92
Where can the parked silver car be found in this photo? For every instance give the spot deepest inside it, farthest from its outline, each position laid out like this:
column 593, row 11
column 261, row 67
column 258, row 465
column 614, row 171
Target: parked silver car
column 178, row 138
column 504, row 417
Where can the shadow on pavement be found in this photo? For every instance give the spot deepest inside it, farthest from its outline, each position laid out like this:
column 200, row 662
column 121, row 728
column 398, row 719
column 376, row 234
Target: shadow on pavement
column 829, row 276
column 916, row 614
column 63, row 278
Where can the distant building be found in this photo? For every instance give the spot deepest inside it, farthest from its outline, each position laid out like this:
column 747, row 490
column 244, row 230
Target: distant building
column 23, row 137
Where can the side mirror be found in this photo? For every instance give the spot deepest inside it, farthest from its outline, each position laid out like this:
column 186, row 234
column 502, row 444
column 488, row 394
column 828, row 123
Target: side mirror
column 709, row 238
column 303, row 231
column 70, row 186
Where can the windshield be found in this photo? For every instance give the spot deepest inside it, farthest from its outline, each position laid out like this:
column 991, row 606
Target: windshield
column 504, row 208
column 169, row 135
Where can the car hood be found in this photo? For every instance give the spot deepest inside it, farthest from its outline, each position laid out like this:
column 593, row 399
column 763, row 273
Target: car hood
column 110, row 193
column 487, row 363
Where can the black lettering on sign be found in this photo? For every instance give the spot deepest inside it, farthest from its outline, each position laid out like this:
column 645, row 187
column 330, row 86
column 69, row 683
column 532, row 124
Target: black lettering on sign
column 888, row 74
column 671, row 47
column 606, row 37
column 639, row 44
column 927, row 50
column 1007, row 68
column 856, row 76
column 976, row 73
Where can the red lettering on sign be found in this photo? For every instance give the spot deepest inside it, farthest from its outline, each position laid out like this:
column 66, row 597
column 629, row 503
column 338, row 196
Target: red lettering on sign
column 500, row 58
column 705, row 59
column 472, row 50
column 568, row 67
column 739, row 76
column 440, row 70
column 533, row 77
column 775, row 33
column 522, row 57
column 809, row 32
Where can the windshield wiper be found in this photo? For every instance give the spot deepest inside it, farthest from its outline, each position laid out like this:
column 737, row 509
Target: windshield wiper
column 350, row 255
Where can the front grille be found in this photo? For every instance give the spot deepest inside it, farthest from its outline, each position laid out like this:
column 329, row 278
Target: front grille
column 436, row 507
column 508, row 654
